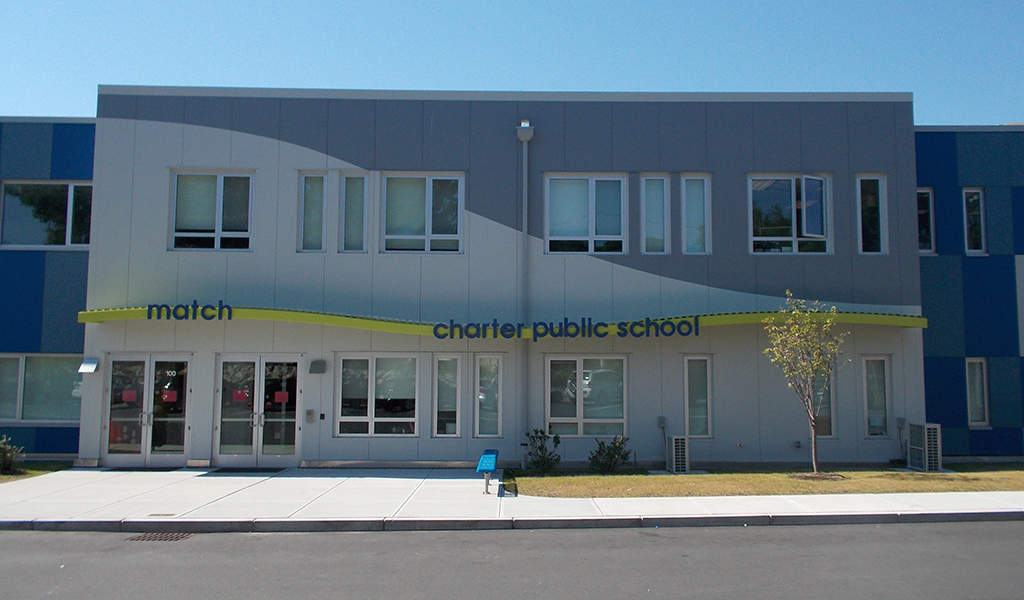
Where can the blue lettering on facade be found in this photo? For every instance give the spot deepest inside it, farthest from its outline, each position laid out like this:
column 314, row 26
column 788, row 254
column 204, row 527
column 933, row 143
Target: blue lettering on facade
column 585, row 327
column 192, row 312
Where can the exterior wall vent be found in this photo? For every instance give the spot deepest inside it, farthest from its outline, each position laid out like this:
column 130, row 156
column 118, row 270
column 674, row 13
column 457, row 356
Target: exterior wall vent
column 678, row 459
column 924, row 450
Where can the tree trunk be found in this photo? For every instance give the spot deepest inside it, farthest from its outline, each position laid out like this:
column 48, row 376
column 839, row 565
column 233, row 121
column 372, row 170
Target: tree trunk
column 814, row 449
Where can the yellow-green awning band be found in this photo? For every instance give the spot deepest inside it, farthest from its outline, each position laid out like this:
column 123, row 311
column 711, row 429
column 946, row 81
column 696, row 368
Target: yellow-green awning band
column 409, row 328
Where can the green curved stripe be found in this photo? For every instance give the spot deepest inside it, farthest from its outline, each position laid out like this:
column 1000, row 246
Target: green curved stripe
column 407, row 328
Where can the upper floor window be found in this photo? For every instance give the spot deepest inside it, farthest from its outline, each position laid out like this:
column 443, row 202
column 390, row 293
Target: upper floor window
column 46, row 214
column 789, row 213
column 974, row 220
column 353, row 213
column 212, row 210
column 586, row 214
column 654, row 192
column 696, row 200
column 422, row 213
column 925, row 221
column 312, row 213
column 872, row 216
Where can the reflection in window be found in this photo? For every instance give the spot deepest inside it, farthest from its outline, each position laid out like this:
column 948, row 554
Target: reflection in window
column 46, row 214
column 53, row 388
column 876, row 391
column 789, row 214
column 586, row 396
column 695, row 214
column 697, row 395
column 391, row 383
column 974, row 220
column 422, row 214
column 446, row 397
column 353, row 220
column 655, row 207
column 313, row 213
column 586, row 214
column 871, row 191
column 488, row 397
column 977, row 392
column 925, row 221
column 212, row 211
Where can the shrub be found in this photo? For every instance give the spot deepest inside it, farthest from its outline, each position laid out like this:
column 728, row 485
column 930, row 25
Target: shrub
column 541, row 457
column 8, row 454
column 609, row 457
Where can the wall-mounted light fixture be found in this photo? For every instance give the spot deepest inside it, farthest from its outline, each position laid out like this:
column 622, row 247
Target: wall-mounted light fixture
column 89, row 365
column 317, row 367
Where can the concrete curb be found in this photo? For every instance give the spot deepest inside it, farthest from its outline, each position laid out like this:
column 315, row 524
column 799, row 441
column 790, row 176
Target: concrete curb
column 412, row 524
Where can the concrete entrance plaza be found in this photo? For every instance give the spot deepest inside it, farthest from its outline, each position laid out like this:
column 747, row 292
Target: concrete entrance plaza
column 190, row 500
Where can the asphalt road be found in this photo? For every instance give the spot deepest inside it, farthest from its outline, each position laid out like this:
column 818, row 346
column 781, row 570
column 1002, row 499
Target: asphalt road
column 934, row 561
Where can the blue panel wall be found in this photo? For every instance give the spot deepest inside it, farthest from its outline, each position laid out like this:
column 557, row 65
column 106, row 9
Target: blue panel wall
column 995, row 442
column 43, row 440
column 943, row 304
column 936, row 159
column 21, row 300
column 64, row 291
column 1017, row 198
column 72, row 155
column 945, row 390
column 1004, row 400
column 25, row 150
column 990, row 306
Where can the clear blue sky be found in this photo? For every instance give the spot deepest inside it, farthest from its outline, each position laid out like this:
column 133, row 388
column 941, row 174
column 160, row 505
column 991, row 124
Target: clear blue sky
column 963, row 60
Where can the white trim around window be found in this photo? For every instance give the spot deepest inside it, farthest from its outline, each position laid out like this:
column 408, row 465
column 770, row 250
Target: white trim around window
column 586, row 395
column 789, row 213
column 877, row 396
column 654, row 214
column 974, row 220
column 377, row 395
column 353, row 215
column 585, row 213
column 977, row 393
column 21, row 228
column 211, row 210
column 697, row 378
column 312, row 211
column 926, row 220
column 488, row 396
column 422, row 212
column 447, row 390
column 40, row 388
column 695, row 200
column 872, row 214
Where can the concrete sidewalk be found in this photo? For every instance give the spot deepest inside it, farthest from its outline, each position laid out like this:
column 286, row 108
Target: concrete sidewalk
column 294, row 500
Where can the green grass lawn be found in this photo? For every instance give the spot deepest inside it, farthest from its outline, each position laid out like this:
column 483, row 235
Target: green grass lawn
column 32, row 468
column 966, row 477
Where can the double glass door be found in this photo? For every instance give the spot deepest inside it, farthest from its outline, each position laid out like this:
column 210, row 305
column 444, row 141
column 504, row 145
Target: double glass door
column 147, row 398
column 257, row 407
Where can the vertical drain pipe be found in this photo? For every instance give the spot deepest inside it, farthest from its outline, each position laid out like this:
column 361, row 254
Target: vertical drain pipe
column 524, row 132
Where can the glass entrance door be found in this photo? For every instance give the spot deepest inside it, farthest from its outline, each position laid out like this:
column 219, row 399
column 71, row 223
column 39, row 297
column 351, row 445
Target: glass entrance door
column 147, row 398
column 258, row 404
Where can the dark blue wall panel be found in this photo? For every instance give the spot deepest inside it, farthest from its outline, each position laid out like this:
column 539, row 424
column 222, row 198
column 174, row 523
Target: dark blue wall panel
column 64, row 291
column 949, row 220
column 21, row 300
column 945, row 390
column 982, row 158
column 1004, row 400
column 942, row 303
column 998, row 220
column 1017, row 198
column 990, row 306
column 936, row 159
column 995, row 442
column 43, row 440
column 955, row 441
column 25, row 150
column 72, row 155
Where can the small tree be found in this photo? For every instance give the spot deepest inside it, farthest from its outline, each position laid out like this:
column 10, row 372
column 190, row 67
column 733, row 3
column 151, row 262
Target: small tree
column 804, row 347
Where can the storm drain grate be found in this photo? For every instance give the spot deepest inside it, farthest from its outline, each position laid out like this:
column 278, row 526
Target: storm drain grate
column 158, row 537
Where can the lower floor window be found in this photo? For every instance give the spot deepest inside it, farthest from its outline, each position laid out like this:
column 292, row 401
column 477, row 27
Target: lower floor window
column 378, row 396
column 977, row 392
column 488, row 396
column 876, row 393
column 40, row 388
column 698, row 415
column 586, row 396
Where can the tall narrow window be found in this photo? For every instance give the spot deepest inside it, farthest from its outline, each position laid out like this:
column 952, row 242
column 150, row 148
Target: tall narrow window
column 696, row 207
column 446, row 396
column 925, row 221
column 488, row 396
column 655, row 214
column 312, row 212
column 698, row 394
column 353, row 214
column 872, row 215
column 823, row 407
column 974, row 220
column 876, row 392
column 977, row 392
column 46, row 214
column 422, row 214
column 10, row 370
column 586, row 214
column 212, row 211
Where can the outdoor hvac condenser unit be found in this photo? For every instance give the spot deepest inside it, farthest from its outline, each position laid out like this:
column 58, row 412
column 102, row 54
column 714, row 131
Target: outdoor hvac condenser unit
column 924, row 450
column 678, row 459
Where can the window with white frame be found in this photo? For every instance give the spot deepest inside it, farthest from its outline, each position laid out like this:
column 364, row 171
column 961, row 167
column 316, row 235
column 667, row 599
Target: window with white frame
column 977, row 392
column 789, row 213
column 422, row 213
column 974, row 220
column 876, row 395
column 212, row 211
column 40, row 388
column 586, row 214
column 654, row 206
column 696, row 202
column 586, row 396
column 925, row 220
column 447, row 376
column 46, row 213
column 378, row 396
column 872, row 217
column 488, row 396
column 353, row 213
column 312, row 213
column 697, row 375
column 823, row 410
